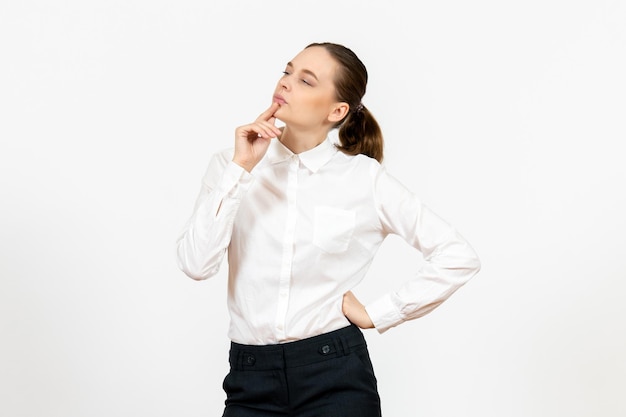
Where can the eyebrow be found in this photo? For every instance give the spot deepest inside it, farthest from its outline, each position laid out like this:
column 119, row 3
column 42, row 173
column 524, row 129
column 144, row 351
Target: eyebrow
column 306, row 71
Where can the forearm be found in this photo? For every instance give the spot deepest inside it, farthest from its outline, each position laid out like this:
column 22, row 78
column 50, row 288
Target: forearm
column 203, row 242
column 206, row 236
column 446, row 270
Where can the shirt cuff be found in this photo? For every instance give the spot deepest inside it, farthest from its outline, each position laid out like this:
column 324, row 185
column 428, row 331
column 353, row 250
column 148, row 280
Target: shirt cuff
column 384, row 314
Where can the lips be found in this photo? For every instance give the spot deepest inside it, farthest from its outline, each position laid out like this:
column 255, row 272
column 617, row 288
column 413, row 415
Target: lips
column 279, row 99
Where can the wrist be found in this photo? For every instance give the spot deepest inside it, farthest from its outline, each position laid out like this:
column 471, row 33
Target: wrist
column 247, row 165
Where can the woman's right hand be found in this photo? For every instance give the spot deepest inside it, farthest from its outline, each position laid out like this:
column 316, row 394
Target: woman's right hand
column 252, row 140
column 355, row 311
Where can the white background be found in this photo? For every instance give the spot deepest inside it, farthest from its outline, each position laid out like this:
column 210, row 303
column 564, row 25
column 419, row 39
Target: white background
column 507, row 118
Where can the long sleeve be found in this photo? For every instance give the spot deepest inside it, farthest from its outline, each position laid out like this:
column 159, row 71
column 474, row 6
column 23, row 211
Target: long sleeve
column 205, row 238
column 449, row 259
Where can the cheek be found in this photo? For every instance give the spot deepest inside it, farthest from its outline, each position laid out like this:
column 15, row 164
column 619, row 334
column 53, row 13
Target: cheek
column 320, row 100
column 316, row 105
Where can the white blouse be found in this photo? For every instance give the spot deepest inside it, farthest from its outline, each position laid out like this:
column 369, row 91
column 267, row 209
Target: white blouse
column 301, row 230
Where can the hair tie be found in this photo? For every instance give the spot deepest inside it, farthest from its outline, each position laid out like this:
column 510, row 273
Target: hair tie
column 358, row 108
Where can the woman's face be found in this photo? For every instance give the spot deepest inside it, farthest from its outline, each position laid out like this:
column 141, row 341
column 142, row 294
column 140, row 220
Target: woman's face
column 306, row 91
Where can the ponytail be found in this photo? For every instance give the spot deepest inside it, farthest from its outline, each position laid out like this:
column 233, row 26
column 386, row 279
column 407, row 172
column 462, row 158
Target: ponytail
column 360, row 134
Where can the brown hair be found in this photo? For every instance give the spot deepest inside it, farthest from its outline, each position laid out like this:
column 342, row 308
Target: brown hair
column 359, row 132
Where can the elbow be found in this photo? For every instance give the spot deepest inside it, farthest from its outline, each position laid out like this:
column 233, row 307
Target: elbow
column 196, row 272
column 471, row 260
column 472, row 264
column 459, row 255
column 195, row 275
column 475, row 264
column 194, row 267
column 466, row 265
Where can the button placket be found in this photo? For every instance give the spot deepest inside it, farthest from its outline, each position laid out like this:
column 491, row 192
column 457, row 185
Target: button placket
column 288, row 242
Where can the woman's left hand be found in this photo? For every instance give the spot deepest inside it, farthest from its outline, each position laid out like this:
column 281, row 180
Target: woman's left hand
column 355, row 311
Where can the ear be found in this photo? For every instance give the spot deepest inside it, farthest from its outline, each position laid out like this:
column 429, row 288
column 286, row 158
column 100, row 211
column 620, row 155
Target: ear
column 338, row 111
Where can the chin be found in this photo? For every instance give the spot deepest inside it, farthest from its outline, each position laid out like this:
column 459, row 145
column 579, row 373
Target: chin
column 279, row 116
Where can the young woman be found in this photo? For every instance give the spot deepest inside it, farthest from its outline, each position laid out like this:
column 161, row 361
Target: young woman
column 301, row 219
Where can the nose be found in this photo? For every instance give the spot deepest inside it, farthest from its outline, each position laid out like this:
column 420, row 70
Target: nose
column 284, row 83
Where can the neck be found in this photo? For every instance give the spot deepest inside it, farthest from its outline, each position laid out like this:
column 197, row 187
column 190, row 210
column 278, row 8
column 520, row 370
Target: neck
column 302, row 140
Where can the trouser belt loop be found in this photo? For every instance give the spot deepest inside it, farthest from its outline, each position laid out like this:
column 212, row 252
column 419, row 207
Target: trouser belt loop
column 240, row 355
column 343, row 343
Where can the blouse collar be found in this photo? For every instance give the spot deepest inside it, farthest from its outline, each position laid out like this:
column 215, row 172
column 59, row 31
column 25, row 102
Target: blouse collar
column 313, row 159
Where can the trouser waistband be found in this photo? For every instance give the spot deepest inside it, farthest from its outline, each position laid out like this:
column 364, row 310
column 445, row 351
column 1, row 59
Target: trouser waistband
column 302, row 352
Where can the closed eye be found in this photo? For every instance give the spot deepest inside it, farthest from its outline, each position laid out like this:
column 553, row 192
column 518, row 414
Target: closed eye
column 303, row 80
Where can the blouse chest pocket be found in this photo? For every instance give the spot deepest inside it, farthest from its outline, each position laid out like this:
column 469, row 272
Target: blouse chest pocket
column 333, row 228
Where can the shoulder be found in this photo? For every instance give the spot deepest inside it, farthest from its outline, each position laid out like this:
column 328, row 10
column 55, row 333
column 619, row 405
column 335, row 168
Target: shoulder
column 360, row 162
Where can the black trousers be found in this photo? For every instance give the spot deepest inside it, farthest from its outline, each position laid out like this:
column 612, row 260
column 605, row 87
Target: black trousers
column 329, row 375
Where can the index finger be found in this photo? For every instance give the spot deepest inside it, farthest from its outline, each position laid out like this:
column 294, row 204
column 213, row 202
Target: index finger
column 269, row 113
